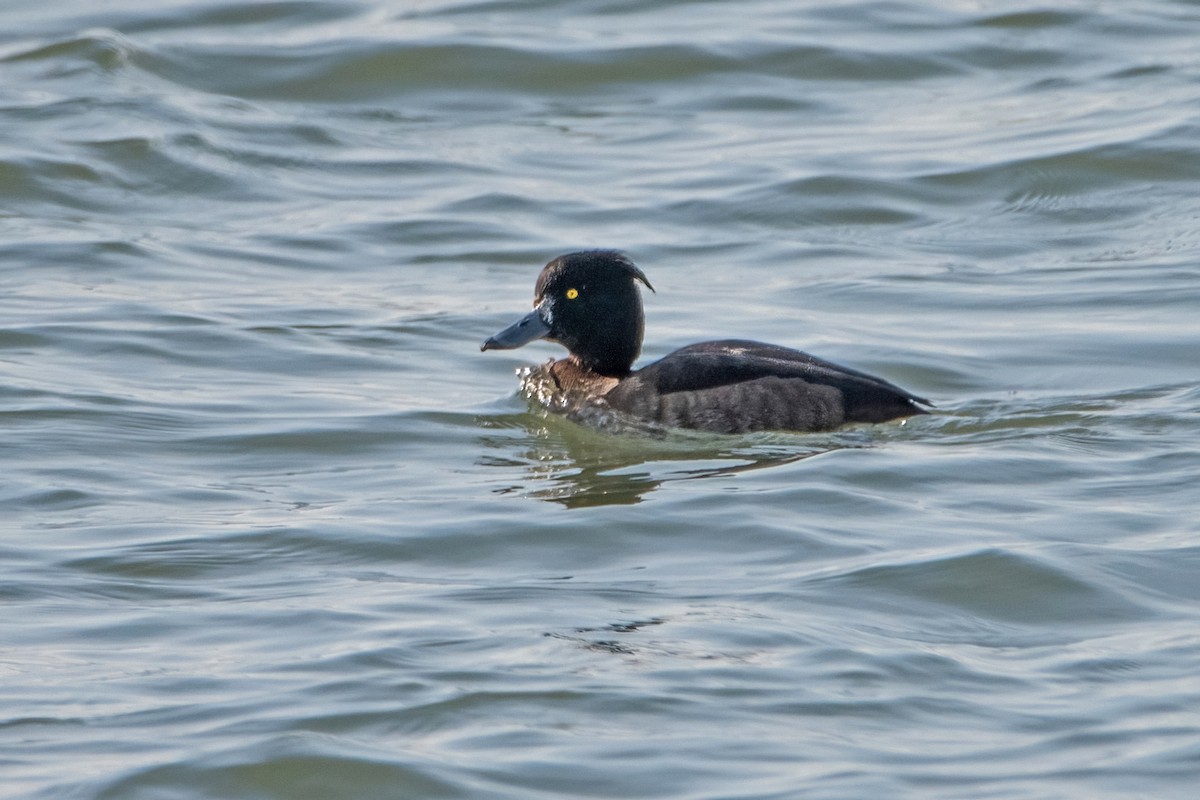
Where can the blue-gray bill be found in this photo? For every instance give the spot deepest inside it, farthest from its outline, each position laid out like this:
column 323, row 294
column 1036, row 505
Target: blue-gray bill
column 525, row 330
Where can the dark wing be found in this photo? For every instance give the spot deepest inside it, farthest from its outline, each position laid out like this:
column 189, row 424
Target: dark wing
column 737, row 385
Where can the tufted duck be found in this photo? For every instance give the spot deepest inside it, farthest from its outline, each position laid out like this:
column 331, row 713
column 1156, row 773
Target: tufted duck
column 589, row 303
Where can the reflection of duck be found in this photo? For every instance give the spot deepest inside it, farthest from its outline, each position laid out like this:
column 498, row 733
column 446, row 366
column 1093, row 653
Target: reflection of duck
column 548, row 458
column 589, row 303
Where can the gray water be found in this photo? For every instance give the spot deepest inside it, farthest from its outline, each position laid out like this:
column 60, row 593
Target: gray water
column 273, row 527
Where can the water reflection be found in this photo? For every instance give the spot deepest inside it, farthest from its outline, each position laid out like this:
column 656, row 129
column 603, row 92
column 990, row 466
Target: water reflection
column 562, row 462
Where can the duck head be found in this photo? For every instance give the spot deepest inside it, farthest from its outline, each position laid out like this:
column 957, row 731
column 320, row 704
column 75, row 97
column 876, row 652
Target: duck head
column 589, row 303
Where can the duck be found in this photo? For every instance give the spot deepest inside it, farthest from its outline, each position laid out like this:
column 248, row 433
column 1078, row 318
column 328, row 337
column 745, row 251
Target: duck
column 589, row 302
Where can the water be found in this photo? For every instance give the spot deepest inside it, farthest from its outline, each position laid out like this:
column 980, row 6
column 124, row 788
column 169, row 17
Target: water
column 274, row 528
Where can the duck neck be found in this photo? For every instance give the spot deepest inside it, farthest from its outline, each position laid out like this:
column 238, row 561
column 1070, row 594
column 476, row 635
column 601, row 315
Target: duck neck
column 615, row 367
column 610, row 349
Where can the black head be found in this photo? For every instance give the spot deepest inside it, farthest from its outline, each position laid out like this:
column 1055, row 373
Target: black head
column 589, row 303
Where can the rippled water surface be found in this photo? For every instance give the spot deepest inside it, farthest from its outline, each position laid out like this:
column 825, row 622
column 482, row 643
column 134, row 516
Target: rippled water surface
column 273, row 527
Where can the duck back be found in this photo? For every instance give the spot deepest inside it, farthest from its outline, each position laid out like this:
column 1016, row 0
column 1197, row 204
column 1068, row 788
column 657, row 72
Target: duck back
column 737, row 386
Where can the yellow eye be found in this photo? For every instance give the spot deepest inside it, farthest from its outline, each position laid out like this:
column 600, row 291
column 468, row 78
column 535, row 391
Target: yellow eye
column 572, row 294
